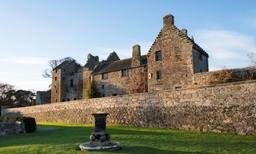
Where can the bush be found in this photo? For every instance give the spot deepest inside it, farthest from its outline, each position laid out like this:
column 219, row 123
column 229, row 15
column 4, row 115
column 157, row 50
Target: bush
column 223, row 76
column 91, row 91
column 30, row 123
column 231, row 75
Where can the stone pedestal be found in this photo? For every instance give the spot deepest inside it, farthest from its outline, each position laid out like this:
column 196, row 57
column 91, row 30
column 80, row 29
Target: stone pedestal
column 100, row 138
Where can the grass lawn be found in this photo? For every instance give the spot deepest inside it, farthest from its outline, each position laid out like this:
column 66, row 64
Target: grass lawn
column 62, row 138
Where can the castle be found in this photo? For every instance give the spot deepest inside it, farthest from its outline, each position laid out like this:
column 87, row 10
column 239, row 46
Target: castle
column 171, row 63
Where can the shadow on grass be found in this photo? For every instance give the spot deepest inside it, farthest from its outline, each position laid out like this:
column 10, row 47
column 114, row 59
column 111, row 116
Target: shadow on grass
column 132, row 139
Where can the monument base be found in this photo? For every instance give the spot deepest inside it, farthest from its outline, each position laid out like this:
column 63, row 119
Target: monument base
column 98, row 146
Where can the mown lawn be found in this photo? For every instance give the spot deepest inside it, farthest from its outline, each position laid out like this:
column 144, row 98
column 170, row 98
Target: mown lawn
column 53, row 138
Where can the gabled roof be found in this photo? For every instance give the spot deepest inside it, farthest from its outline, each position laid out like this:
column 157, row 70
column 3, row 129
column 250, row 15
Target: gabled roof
column 63, row 64
column 114, row 66
column 105, row 67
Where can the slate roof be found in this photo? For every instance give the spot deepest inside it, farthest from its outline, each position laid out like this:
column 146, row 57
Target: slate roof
column 63, row 64
column 105, row 67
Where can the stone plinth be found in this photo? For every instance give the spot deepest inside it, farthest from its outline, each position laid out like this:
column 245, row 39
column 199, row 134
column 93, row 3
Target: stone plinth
column 100, row 138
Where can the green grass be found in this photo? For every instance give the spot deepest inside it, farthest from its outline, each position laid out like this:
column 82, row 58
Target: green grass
column 59, row 138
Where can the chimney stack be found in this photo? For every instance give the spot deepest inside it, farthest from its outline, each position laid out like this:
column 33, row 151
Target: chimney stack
column 168, row 20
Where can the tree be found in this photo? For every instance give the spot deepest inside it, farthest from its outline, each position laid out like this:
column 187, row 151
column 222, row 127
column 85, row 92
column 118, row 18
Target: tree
column 15, row 98
column 47, row 73
column 24, row 98
column 91, row 90
column 252, row 58
column 7, row 94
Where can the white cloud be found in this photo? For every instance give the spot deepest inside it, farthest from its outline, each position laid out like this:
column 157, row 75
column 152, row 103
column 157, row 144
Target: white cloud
column 26, row 60
column 226, row 48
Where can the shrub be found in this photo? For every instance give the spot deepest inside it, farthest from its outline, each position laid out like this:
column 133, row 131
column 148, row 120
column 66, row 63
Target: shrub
column 223, row 76
column 91, row 91
column 250, row 74
column 30, row 123
column 231, row 75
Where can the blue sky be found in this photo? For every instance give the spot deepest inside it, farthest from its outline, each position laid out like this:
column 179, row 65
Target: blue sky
column 32, row 32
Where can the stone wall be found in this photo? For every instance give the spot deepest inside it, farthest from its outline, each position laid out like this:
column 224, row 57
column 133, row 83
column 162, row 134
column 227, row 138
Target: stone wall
column 222, row 108
column 7, row 128
column 116, row 84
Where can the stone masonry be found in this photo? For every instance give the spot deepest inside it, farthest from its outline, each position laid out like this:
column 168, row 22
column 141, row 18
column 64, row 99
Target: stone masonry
column 170, row 63
column 228, row 108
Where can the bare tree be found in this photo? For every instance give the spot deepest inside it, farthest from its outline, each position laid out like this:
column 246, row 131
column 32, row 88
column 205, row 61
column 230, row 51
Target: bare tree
column 47, row 73
column 252, row 58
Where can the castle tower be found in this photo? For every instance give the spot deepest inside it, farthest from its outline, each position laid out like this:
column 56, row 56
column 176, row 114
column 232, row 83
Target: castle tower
column 136, row 56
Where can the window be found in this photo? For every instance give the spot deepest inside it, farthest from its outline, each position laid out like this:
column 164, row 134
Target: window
column 158, row 55
column 63, row 78
column 104, row 76
column 158, row 75
column 102, row 87
column 144, row 61
column 71, row 83
column 124, row 72
column 55, row 78
column 56, row 71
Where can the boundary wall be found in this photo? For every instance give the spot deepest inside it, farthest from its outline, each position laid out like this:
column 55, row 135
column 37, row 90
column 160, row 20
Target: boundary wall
column 227, row 107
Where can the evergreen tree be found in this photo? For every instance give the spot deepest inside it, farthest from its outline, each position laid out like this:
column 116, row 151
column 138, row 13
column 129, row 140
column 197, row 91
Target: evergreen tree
column 91, row 91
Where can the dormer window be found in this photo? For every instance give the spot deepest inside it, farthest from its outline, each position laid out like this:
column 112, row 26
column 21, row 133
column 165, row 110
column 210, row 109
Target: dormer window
column 104, row 76
column 124, row 72
column 144, row 61
column 158, row 56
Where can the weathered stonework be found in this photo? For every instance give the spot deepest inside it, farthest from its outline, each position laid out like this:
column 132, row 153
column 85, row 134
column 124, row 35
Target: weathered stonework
column 7, row 128
column 221, row 108
column 179, row 58
column 116, row 84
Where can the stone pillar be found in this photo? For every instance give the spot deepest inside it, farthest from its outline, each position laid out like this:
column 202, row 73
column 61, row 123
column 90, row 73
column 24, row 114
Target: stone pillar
column 100, row 133
column 100, row 138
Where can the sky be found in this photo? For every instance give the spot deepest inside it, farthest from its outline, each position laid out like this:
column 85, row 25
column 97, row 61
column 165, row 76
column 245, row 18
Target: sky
column 32, row 32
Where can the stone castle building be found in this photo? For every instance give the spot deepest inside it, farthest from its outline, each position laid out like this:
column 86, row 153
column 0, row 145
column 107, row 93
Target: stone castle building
column 171, row 63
